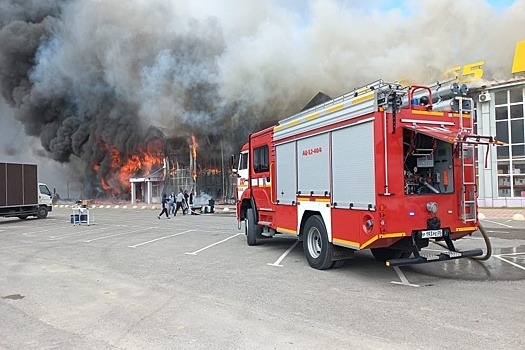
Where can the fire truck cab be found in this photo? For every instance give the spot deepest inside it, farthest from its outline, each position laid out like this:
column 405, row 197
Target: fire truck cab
column 383, row 167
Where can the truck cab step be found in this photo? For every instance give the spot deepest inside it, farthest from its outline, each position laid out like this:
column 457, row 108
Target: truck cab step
column 264, row 223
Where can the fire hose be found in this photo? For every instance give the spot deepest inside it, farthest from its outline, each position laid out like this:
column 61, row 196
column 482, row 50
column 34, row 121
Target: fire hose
column 486, row 238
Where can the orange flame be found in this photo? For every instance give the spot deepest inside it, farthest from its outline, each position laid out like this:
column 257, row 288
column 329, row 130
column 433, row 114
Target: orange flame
column 122, row 167
column 212, row 171
column 194, row 146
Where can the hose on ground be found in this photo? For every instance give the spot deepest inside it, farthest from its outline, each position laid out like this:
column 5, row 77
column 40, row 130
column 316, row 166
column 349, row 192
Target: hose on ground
column 486, row 238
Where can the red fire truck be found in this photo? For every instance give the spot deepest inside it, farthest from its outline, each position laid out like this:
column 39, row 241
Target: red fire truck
column 383, row 167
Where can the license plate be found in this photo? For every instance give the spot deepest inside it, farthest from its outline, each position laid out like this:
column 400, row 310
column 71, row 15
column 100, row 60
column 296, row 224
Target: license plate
column 431, row 233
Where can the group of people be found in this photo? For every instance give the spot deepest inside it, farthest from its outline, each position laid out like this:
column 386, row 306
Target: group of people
column 172, row 204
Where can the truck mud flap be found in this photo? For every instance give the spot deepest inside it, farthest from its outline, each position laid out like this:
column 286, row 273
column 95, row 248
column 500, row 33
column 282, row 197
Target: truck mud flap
column 428, row 257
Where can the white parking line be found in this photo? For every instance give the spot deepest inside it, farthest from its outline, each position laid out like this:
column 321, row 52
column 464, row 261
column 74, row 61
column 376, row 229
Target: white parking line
column 509, row 262
column 498, row 223
column 284, row 255
column 119, row 234
column 510, row 254
column 214, row 244
column 404, row 280
column 158, row 239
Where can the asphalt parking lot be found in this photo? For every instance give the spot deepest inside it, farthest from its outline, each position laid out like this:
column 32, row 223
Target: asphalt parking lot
column 132, row 281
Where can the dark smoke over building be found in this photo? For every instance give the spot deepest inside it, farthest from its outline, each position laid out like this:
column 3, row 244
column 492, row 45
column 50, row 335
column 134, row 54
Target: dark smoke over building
column 81, row 92
column 88, row 78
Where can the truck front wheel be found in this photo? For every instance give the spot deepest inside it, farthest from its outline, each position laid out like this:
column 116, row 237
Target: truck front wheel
column 317, row 248
column 42, row 212
column 252, row 230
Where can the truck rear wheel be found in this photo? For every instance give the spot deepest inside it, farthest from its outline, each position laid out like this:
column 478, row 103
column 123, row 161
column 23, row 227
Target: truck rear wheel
column 42, row 212
column 384, row 254
column 317, row 248
column 252, row 230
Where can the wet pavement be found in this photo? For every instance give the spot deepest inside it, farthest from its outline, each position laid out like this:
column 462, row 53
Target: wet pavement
column 506, row 265
column 507, row 261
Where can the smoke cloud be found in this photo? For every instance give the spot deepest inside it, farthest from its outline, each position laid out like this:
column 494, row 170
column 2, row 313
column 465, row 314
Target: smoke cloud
column 78, row 73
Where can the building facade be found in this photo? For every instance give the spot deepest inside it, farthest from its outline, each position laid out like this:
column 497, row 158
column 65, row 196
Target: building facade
column 500, row 111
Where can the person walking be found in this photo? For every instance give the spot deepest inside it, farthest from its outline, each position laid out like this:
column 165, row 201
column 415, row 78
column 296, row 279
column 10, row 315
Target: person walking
column 171, row 198
column 179, row 203
column 164, row 206
column 186, row 205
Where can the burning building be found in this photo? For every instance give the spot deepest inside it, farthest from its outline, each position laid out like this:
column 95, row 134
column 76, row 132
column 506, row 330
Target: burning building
column 185, row 163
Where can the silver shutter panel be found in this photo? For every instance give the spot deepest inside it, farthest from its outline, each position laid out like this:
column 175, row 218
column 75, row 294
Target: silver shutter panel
column 313, row 163
column 353, row 166
column 286, row 173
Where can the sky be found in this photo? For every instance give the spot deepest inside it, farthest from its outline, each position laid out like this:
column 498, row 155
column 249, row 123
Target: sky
column 405, row 6
column 501, row 3
column 76, row 74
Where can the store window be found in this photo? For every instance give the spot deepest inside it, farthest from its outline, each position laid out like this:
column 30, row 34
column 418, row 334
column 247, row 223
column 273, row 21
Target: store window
column 501, row 97
column 510, row 128
column 516, row 95
column 516, row 111
column 502, row 113
column 502, row 131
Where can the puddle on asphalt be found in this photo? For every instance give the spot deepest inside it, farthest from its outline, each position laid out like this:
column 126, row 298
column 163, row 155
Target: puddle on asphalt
column 510, row 268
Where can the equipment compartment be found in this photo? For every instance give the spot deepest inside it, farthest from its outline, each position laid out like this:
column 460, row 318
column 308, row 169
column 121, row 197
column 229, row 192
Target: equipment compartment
column 427, row 164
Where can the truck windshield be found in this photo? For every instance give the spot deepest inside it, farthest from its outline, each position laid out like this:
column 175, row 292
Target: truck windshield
column 243, row 161
column 44, row 190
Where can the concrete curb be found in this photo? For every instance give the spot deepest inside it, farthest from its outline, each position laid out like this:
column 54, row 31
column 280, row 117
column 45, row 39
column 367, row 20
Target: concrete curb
column 516, row 214
column 518, row 217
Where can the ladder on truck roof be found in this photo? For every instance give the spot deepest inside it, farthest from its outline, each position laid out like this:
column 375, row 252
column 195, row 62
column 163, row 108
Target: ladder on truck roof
column 372, row 87
column 368, row 88
column 358, row 102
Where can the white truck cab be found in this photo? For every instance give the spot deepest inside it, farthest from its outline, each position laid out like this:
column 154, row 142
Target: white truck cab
column 45, row 197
